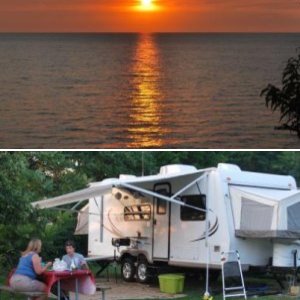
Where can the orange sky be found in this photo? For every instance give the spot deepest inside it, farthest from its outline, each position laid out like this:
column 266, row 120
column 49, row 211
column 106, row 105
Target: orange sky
column 171, row 15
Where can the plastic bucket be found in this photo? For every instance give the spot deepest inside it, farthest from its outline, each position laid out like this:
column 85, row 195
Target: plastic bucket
column 171, row 283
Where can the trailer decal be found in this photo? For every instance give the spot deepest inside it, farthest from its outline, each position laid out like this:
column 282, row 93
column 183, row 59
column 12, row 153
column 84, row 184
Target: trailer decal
column 211, row 231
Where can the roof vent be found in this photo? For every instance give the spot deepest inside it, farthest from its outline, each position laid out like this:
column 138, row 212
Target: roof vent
column 175, row 169
column 229, row 167
column 127, row 176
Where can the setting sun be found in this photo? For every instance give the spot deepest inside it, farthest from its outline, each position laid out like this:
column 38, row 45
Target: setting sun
column 146, row 5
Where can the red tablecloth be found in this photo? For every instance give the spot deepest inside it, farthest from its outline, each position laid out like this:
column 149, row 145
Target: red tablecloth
column 86, row 281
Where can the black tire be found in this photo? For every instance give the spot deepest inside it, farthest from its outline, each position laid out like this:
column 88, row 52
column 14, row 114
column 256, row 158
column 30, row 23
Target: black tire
column 128, row 269
column 142, row 271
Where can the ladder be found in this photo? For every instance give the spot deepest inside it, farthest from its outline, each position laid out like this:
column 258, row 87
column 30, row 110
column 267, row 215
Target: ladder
column 232, row 269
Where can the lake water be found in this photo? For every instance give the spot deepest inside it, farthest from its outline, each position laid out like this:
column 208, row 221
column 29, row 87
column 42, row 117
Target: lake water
column 141, row 90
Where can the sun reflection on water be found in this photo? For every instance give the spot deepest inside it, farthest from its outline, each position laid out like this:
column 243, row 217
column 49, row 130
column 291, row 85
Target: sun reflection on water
column 145, row 127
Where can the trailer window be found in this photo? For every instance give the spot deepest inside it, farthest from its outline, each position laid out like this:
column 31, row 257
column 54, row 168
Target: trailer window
column 161, row 208
column 137, row 213
column 190, row 214
column 161, row 205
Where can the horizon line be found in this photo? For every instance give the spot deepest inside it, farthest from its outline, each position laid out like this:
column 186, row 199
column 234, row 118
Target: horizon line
column 149, row 32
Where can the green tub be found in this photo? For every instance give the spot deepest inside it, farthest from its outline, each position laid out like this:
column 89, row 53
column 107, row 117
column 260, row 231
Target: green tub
column 171, row 283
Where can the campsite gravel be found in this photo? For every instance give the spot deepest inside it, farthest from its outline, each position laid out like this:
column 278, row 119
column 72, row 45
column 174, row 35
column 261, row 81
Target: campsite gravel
column 128, row 290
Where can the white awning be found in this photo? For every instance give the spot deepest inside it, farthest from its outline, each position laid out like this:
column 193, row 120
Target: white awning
column 73, row 197
column 83, row 221
column 142, row 184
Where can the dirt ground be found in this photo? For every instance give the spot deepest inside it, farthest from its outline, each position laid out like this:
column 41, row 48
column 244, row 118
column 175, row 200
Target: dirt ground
column 128, row 290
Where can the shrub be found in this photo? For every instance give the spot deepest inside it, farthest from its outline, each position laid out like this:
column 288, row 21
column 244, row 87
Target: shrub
column 287, row 98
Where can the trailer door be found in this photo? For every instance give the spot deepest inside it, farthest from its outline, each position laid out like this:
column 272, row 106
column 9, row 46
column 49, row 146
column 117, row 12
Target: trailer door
column 161, row 223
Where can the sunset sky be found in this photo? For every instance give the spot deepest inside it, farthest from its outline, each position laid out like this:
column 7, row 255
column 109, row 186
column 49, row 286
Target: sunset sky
column 160, row 16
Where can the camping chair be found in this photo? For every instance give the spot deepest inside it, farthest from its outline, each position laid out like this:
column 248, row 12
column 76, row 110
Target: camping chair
column 232, row 275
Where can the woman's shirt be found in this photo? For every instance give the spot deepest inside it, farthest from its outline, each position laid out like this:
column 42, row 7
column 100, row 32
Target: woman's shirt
column 25, row 266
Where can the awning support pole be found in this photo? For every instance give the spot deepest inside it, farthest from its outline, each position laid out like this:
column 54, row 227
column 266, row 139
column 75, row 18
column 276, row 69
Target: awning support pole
column 188, row 186
column 207, row 294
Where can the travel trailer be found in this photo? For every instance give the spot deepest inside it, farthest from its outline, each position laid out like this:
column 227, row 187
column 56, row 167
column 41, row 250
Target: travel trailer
column 185, row 217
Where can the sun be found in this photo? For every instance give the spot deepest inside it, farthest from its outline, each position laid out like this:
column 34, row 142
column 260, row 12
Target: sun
column 147, row 5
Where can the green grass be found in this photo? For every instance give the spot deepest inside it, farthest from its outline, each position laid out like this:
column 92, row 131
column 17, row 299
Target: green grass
column 196, row 296
column 200, row 297
column 5, row 296
column 194, row 289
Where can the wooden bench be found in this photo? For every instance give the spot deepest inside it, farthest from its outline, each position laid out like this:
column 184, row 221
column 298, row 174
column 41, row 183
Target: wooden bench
column 103, row 290
column 9, row 290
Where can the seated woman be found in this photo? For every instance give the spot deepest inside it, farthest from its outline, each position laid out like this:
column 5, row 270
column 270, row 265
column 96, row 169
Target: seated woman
column 25, row 277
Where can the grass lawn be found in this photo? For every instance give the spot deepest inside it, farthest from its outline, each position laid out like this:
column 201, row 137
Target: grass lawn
column 5, row 296
column 195, row 289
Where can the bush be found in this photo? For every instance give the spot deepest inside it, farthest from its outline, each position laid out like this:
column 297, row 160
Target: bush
column 287, row 98
column 27, row 177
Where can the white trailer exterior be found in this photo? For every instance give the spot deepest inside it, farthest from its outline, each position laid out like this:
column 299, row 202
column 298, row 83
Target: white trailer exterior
column 187, row 217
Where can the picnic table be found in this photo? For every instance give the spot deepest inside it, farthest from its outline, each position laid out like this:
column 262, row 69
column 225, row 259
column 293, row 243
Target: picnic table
column 78, row 281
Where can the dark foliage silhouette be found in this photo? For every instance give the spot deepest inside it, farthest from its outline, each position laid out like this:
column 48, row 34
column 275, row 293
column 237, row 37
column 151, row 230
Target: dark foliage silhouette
column 287, row 98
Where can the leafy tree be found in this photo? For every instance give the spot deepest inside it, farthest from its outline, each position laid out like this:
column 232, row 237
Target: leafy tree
column 60, row 171
column 253, row 160
column 287, row 98
column 27, row 177
column 288, row 163
column 16, row 181
column 100, row 165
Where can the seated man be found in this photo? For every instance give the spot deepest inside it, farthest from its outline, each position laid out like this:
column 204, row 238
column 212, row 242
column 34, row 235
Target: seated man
column 73, row 259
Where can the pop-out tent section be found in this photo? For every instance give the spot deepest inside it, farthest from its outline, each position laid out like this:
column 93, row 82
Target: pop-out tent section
column 265, row 213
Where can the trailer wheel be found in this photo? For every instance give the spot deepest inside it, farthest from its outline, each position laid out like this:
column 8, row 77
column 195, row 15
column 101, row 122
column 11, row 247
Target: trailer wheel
column 127, row 269
column 142, row 272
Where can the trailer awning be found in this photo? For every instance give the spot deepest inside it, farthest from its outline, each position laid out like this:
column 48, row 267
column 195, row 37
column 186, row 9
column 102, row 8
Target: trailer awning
column 141, row 184
column 73, row 197
column 82, row 227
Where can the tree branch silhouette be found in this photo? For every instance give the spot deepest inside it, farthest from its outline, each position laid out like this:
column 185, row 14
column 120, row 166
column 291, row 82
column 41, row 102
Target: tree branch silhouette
column 287, row 98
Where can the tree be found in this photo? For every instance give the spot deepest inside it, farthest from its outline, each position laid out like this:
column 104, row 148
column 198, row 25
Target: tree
column 287, row 98
column 16, row 193
column 27, row 177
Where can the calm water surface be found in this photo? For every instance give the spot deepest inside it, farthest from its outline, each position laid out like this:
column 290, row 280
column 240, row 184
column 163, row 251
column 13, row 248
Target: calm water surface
column 141, row 90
